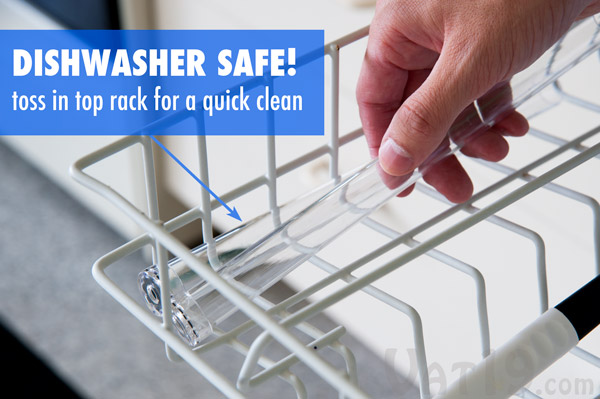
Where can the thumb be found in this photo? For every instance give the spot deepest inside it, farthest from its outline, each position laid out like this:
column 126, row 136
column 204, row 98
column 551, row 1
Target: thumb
column 421, row 123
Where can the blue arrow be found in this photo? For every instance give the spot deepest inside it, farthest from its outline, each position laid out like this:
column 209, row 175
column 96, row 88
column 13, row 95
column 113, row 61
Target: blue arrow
column 232, row 212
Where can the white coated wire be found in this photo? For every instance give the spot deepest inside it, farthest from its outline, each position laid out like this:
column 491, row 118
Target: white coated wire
column 277, row 320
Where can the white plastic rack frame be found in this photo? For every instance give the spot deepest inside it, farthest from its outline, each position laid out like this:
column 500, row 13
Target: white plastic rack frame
column 276, row 320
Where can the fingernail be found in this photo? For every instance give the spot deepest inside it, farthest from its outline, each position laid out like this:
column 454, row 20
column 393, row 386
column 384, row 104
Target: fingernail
column 394, row 159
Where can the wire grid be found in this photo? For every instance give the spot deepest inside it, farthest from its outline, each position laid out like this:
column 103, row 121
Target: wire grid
column 276, row 320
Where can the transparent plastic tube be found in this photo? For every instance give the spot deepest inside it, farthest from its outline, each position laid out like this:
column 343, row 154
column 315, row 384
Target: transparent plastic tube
column 196, row 307
column 315, row 220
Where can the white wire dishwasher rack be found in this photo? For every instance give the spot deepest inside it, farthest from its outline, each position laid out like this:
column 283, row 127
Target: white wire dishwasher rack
column 282, row 321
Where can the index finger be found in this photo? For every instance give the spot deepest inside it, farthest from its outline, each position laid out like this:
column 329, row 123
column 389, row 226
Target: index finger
column 392, row 69
column 379, row 94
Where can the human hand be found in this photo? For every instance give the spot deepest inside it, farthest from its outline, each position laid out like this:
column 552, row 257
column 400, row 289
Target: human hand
column 427, row 60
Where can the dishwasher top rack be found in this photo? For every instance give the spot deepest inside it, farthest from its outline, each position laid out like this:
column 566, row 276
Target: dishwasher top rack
column 278, row 321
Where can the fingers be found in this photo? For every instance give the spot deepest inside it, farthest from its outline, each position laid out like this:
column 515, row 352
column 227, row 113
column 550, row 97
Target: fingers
column 490, row 144
column 514, row 124
column 591, row 9
column 385, row 74
column 379, row 94
column 393, row 182
column 449, row 178
column 407, row 192
column 422, row 121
